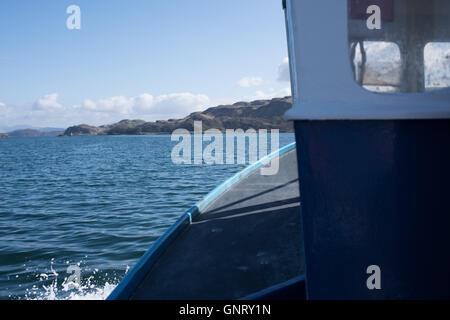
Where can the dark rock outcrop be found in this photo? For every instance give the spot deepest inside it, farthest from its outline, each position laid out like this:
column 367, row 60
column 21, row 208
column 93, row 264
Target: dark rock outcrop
column 83, row 130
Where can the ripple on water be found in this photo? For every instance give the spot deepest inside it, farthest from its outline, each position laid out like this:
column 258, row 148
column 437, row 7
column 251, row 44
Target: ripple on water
column 95, row 202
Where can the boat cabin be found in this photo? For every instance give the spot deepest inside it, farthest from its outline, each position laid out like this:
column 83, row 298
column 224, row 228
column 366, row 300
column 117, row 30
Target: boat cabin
column 371, row 107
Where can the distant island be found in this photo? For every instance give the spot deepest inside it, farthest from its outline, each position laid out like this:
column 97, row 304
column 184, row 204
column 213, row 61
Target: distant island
column 29, row 133
column 260, row 114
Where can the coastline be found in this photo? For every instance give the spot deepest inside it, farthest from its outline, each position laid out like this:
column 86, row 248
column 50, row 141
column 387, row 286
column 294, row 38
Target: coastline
column 259, row 114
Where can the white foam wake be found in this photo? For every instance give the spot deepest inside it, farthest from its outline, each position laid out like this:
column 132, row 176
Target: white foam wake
column 56, row 291
column 93, row 287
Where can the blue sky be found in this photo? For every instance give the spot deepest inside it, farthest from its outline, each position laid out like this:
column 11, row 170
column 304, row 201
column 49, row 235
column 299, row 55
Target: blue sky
column 143, row 59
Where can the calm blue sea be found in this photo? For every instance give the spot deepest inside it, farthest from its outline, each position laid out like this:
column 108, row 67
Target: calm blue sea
column 94, row 202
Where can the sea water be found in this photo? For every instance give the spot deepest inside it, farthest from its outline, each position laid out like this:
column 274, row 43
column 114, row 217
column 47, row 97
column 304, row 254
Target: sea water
column 94, row 203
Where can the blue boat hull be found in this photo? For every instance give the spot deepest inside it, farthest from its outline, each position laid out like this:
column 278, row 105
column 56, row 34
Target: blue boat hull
column 375, row 193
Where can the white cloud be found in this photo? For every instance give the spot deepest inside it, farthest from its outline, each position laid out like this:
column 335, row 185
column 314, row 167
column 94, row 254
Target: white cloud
column 177, row 103
column 143, row 102
column 117, row 104
column 2, row 105
column 167, row 105
column 261, row 95
column 48, row 112
column 250, row 82
column 283, row 71
column 48, row 102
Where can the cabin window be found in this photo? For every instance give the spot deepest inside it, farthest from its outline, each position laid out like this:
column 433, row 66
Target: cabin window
column 437, row 65
column 376, row 65
column 400, row 45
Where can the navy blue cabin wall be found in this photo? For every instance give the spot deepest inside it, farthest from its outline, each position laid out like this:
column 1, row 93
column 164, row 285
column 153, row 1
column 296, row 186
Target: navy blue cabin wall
column 375, row 192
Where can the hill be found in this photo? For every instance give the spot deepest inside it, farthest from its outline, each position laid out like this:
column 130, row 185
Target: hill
column 26, row 133
column 260, row 114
